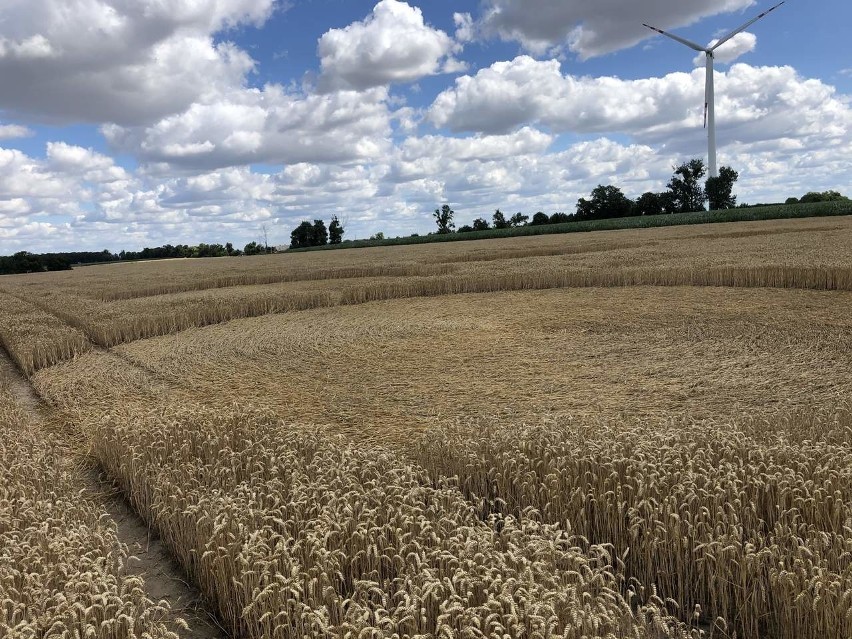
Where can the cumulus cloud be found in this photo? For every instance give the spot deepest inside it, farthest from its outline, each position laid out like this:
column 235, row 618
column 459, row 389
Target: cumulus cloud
column 10, row 131
column 753, row 104
column 116, row 61
column 592, row 28
column 419, row 158
column 268, row 125
column 731, row 50
column 394, row 44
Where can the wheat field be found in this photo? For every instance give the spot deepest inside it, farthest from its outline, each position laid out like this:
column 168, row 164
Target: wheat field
column 62, row 566
column 641, row 433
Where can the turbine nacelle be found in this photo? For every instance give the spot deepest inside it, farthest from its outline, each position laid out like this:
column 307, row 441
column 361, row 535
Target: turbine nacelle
column 709, row 97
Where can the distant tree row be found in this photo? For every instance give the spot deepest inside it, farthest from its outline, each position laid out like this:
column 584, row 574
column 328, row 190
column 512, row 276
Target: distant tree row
column 814, row 196
column 684, row 193
column 170, row 251
column 25, row 262
column 316, row 234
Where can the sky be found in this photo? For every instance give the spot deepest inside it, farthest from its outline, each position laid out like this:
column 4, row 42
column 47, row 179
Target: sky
column 132, row 123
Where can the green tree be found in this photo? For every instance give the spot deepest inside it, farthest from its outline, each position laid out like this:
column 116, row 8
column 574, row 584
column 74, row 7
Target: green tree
column 319, row 234
column 649, row 204
column 444, row 219
column 499, row 220
column 606, row 202
column 480, row 224
column 720, row 189
column 335, row 231
column 466, row 228
column 560, row 218
column 253, row 248
column 685, row 186
column 824, row 196
column 300, row 237
column 540, row 219
column 519, row 219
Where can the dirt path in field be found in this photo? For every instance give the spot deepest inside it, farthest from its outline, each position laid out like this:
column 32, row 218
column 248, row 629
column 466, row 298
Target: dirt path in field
column 164, row 579
column 23, row 391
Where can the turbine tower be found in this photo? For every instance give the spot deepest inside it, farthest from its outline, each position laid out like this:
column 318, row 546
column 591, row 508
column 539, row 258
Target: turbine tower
column 709, row 94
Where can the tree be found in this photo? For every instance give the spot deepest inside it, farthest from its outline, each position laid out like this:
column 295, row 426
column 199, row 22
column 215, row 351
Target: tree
column 606, row 202
column 540, row 219
column 685, row 186
column 519, row 219
column 719, row 189
column 465, row 229
column 561, row 218
column 480, row 224
column 649, row 204
column 377, row 236
column 825, row 196
column 300, row 237
column 444, row 219
column 253, row 248
column 319, row 234
column 499, row 220
column 335, row 231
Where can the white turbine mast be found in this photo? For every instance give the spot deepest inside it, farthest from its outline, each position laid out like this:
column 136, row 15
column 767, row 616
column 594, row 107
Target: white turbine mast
column 709, row 93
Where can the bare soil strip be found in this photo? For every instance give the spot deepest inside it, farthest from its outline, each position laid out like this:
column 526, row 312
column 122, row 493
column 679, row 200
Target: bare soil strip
column 150, row 559
column 24, row 393
column 164, row 579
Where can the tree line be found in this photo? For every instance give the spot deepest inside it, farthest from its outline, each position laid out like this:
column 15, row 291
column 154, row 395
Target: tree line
column 685, row 193
column 26, row 262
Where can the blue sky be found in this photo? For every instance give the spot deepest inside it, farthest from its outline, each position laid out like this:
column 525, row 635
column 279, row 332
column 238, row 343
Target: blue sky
column 130, row 124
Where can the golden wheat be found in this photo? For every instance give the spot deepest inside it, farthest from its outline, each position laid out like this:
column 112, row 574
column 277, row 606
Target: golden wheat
column 62, row 568
column 34, row 338
column 389, row 369
column 294, row 533
column 150, row 299
column 758, row 533
column 532, row 463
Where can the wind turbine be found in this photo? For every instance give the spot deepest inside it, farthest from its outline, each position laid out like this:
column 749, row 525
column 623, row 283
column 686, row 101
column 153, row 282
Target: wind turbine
column 709, row 94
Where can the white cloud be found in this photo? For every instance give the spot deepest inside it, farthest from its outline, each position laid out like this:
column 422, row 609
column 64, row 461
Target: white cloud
column 731, row 50
column 393, row 44
column 152, row 74
column 268, row 125
column 592, row 28
column 465, row 27
column 754, row 104
column 11, row 131
column 424, row 157
column 118, row 61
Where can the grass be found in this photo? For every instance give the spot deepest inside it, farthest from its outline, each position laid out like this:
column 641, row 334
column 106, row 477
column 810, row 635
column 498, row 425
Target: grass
column 751, row 214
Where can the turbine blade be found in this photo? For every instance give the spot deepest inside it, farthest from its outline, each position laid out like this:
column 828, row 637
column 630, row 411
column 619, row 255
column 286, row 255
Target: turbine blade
column 745, row 26
column 688, row 43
